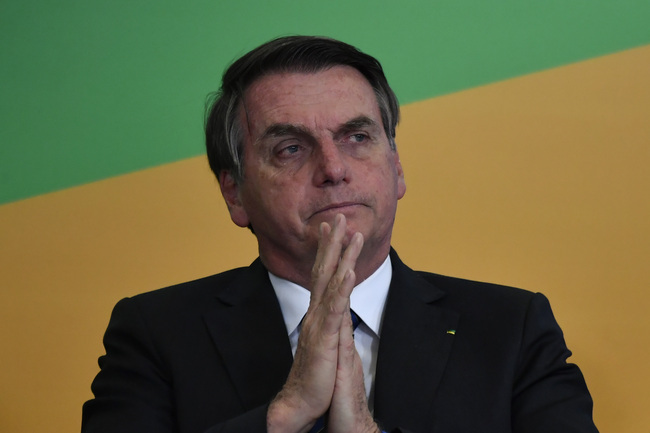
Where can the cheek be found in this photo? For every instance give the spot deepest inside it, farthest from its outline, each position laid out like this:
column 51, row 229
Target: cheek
column 383, row 180
column 274, row 197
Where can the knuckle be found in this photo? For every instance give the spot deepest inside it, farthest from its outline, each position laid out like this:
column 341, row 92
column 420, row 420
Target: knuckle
column 320, row 269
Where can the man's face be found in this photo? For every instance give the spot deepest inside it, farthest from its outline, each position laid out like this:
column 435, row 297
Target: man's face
column 314, row 146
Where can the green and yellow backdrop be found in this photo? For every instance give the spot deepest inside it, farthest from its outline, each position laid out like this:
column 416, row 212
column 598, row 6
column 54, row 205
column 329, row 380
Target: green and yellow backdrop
column 525, row 140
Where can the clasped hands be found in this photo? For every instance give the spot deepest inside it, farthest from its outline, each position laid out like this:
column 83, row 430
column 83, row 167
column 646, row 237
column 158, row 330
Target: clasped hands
column 326, row 376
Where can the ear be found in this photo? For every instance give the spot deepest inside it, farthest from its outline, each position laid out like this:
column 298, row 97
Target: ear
column 401, row 183
column 230, row 193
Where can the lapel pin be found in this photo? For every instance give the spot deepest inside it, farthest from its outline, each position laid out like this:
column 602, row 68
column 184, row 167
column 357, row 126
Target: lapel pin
column 451, row 331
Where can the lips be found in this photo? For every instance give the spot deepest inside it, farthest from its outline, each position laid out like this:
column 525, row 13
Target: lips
column 334, row 207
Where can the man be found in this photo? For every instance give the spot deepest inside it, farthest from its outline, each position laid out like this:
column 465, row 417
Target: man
column 301, row 139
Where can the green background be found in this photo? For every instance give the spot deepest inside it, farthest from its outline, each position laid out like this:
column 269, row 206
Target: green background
column 91, row 89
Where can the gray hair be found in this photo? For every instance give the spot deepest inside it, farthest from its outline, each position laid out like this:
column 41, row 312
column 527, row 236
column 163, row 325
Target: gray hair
column 303, row 54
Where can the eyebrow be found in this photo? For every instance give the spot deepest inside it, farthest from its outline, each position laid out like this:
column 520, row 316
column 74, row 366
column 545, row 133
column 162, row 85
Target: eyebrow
column 358, row 123
column 284, row 129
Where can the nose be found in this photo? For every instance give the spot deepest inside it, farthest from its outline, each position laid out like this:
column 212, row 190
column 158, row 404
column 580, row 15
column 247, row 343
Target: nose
column 331, row 166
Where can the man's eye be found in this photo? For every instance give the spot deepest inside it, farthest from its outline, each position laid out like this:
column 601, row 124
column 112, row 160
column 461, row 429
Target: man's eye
column 291, row 149
column 358, row 138
column 288, row 150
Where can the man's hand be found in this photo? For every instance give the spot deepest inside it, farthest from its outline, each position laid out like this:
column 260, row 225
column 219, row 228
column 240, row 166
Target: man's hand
column 320, row 357
column 349, row 408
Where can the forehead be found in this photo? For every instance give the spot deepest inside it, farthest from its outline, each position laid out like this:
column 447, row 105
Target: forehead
column 322, row 99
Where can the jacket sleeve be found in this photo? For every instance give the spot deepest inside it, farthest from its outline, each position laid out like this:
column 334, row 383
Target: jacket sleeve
column 134, row 391
column 549, row 395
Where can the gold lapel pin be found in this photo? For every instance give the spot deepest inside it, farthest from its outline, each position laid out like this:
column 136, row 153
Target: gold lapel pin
column 451, row 331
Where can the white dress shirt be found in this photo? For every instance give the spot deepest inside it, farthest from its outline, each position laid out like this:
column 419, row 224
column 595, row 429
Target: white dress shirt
column 367, row 300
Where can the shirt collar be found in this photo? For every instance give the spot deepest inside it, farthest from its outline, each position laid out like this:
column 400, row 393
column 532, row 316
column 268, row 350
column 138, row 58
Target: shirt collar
column 367, row 299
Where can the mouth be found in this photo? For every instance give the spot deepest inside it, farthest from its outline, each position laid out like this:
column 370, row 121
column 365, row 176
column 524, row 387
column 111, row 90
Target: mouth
column 335, row 208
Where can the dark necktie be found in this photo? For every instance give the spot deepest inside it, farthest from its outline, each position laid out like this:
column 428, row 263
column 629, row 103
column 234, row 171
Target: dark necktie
column 320, row 422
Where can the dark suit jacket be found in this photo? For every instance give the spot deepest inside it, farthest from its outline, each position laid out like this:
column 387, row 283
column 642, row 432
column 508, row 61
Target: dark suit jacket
column 454, row 356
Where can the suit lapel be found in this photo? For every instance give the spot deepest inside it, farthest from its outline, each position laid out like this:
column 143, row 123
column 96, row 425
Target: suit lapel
column 416, row 339
column 249, row 332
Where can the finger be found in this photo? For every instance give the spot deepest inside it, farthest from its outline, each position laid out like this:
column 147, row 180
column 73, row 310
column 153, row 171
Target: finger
column 348, row 262
column 336, row 274
column 335, row 300
column 330, row 246
column 319, row 270
column 337, row 295
column 334, row 305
